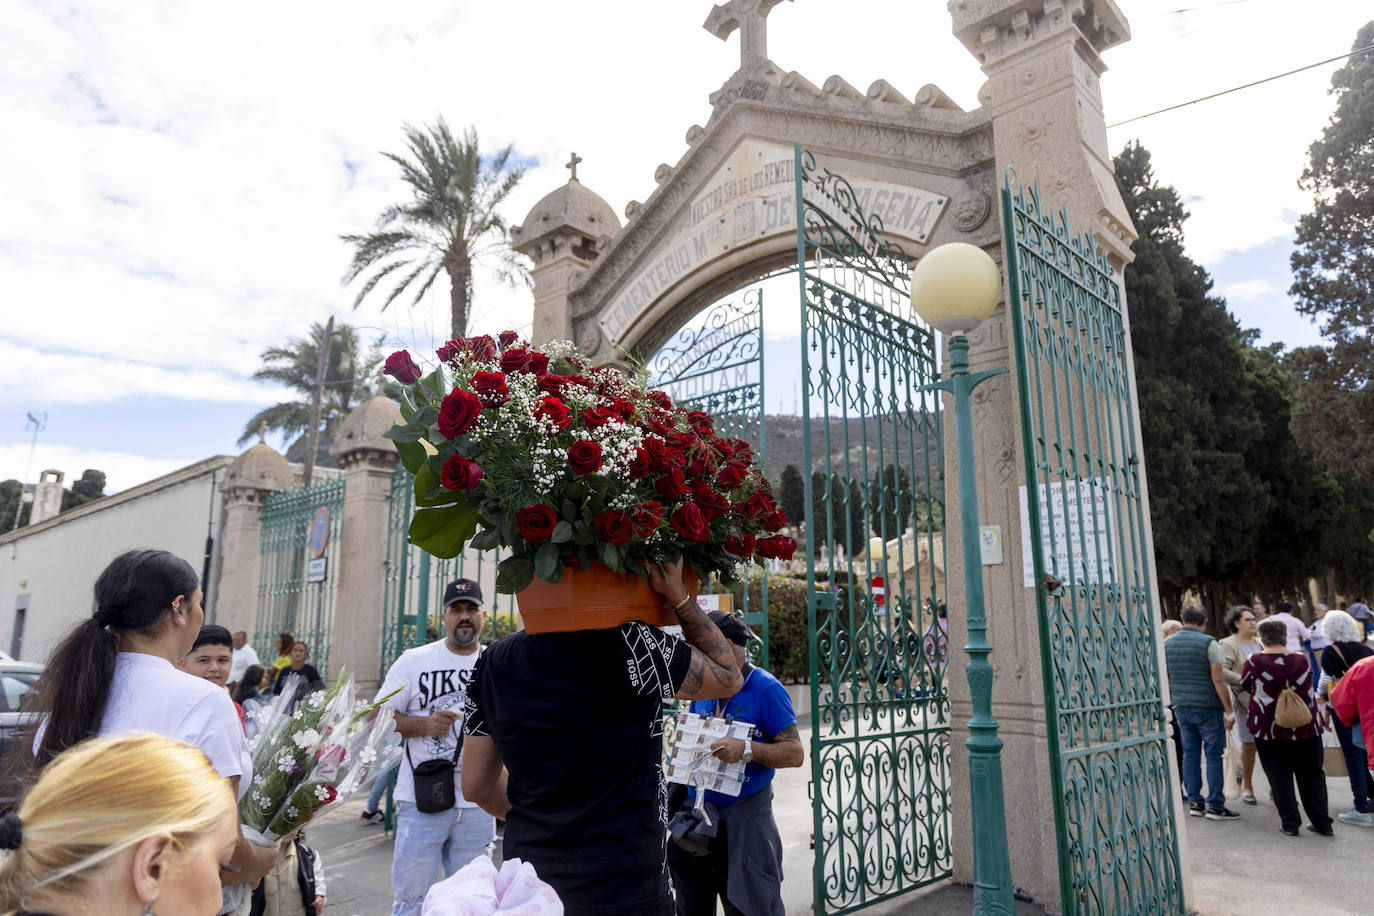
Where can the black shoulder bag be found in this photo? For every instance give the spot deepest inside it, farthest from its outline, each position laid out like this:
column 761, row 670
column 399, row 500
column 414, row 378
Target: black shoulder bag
column 434, row 781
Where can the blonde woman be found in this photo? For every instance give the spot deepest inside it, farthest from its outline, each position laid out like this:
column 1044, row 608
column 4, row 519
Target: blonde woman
column 138, row 825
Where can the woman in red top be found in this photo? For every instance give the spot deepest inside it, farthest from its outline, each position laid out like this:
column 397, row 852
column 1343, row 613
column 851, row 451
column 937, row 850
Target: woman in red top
column 1287, row 753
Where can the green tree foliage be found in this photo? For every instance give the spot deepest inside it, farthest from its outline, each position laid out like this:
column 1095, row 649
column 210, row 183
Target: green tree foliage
column 449, row 223
column 14, row 512
column 1333, row 273
column 890, row 502
column 89, row 488
column 350, row 379
column 792, row 495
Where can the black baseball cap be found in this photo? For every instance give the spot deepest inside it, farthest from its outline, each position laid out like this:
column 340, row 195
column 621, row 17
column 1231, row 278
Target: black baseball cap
column 731, row 627
column 463, row 590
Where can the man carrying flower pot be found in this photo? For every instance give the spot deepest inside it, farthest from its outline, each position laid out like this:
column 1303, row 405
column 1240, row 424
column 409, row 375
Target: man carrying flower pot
column 576, row 719
column 742, row 862
column 433, row 844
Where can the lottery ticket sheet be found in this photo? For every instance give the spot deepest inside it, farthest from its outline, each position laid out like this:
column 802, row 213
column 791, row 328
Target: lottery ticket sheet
column 690, row 761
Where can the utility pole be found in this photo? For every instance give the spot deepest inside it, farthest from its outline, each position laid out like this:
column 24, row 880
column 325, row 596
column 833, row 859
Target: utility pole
column 313, row 435
column 37, row 421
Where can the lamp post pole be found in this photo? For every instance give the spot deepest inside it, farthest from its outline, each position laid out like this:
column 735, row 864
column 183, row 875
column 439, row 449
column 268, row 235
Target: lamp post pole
column 992, row 887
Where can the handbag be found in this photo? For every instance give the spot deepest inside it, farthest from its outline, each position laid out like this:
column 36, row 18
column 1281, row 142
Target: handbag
column 1333, row 758
column 434, row 790
column 1290, row 711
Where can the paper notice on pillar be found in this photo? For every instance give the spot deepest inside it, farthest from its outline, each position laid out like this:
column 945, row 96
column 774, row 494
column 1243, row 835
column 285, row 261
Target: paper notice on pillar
column 1075, row 532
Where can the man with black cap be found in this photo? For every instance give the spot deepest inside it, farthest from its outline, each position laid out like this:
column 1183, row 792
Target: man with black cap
column 742, row 863
column 433, row 844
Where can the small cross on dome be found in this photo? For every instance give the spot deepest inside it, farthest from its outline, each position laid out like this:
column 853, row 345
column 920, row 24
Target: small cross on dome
column 572, row 166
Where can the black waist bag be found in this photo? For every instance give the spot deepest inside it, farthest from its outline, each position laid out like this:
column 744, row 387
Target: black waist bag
column 434, row 790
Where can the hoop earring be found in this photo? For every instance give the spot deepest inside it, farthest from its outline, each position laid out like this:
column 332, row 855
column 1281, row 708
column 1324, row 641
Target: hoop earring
column 148, row 910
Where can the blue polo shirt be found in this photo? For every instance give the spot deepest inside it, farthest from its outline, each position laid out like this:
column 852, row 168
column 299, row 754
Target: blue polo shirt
column 764, row 702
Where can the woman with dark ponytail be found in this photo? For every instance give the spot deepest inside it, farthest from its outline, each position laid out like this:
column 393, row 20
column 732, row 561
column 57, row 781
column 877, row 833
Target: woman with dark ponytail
column 116, row 673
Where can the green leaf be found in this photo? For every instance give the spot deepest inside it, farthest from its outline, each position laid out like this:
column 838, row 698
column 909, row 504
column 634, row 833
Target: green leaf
column 407, row 405
column 514, row 575
column 562, row 533
column 434, row 385
column 486, row 539
column 583, row 534
column 412, row 455
column 548, row 562
column 586, row 556
column 569, row 509
column 610, row 555
column 425, row 416
column 408, row 432
column 443, row 532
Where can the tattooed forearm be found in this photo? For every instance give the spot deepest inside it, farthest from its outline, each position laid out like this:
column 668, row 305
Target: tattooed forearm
column 789, row 733
column 719, row 661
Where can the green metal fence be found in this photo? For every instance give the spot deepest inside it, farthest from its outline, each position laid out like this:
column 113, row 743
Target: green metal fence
column 880, row 722
column 715, row 364
column 415, row 582
column 1109, row 761
column 300, row 545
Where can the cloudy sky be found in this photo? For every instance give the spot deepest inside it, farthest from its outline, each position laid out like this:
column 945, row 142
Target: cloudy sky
column 174, row 176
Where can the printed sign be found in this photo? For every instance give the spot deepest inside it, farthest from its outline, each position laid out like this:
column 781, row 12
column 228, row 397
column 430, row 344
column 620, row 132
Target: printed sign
column 317, row 570
column 1076, row 521
column 319, row 531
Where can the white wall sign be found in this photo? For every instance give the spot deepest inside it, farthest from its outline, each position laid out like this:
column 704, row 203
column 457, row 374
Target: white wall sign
column 1077, row 520
column 990, row 544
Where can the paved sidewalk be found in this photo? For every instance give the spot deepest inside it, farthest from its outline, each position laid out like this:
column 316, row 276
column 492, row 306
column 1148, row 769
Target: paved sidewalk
column 1241, row 868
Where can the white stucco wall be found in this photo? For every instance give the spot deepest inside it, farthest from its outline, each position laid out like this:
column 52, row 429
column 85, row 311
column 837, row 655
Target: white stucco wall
column 55, row 563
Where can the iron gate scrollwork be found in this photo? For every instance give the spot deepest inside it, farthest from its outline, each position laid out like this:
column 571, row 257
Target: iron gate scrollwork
column 715, row 364
column 880, row 708
column 1113, row 805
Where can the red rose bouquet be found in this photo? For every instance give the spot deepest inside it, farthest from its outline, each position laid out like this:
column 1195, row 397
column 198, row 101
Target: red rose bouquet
column 563, row 462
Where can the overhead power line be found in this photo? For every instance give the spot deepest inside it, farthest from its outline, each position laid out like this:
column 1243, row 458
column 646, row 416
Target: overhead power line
column 1267, row 79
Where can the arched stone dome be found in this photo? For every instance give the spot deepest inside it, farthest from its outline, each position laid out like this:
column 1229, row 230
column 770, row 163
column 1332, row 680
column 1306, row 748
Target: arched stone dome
column 261, row 467
column 572, row 207
column 366, row 426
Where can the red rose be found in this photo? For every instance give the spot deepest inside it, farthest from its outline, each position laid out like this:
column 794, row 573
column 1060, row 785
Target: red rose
column 584, row 457
column 516, row 359
column 553, row 384
column 507, row 338
column 481, row 347
column 645, row 517
column 701, row 422
column 449, row 350
column 459, row 473
column 657, row 450
column 539, row 364
column 622, row 407
column 775, row 520
column 777, row 547
column 661, row 428
column 731, row 476
column 536, row 523
column 703, row 493
column 639, row 465
column 331, row 753
column 672, row 486
column 757, row 507
column 458, row 413
column 688, row 522
column 613, row 527
column 661, row 399
column 400, row 366
column 597, row 417
column 581, row 380
column 553, row 410
column 701, row 464
column 490, row 388
column 740, row 544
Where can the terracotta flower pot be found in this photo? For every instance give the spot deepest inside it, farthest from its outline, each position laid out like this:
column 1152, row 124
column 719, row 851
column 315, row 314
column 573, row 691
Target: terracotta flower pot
column 594, row 599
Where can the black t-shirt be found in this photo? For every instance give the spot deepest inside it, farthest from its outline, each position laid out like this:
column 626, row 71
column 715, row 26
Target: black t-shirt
column 576, row 718
column 1352, row 651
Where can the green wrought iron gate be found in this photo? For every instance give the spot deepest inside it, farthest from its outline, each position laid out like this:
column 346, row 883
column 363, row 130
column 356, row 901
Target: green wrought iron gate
column 1113, row 806
column 300, row 549
column 715, row 364
column 415, row 581
column 880, row 708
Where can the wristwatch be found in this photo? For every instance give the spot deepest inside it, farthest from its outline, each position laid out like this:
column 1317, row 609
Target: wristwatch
column 748, row 754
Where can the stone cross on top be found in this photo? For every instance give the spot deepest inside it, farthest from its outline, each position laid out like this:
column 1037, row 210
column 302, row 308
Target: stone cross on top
column 751, row 18
column 571, row 166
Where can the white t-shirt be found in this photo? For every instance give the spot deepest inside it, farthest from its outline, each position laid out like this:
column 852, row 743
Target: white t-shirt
column 1297, row 631
column 243, row 658
column 149, row 694
column 431, row 677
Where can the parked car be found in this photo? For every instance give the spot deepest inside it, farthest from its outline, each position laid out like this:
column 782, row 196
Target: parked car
column 16, row 682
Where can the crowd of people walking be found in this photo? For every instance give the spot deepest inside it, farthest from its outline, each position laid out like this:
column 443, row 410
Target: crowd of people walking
column 1265, row 691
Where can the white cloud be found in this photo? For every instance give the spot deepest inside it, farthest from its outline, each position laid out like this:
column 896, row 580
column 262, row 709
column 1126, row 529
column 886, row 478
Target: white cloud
column 122, row 470
column 1248, row 290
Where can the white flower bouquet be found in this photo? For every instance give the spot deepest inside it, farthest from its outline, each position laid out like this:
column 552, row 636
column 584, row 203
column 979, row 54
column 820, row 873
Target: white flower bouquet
column 313, row 757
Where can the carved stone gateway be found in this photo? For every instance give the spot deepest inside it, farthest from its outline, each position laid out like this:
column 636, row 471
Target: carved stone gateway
column 725, row 214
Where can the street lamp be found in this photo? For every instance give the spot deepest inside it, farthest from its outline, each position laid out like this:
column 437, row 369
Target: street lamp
column 954, row 288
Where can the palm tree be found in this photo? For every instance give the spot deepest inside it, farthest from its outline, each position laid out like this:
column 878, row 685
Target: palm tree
column 350, row 379
column 449, row 223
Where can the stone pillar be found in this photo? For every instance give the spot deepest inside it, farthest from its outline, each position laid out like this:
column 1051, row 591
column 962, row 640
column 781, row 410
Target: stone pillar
column 367, row 460
column 252, row 477
column 47, row 497
column 1043, row 92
